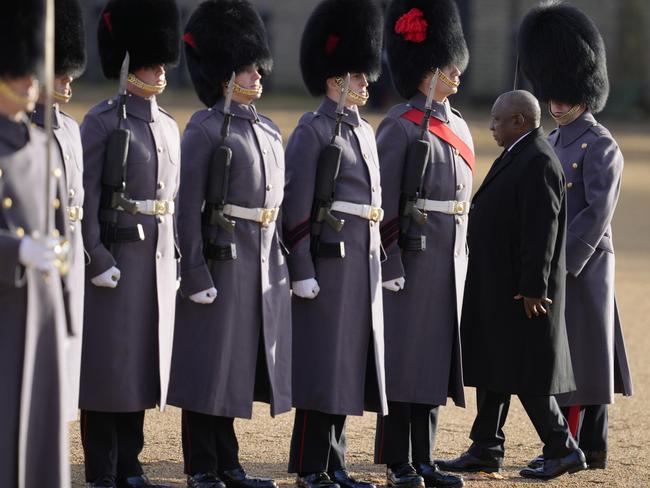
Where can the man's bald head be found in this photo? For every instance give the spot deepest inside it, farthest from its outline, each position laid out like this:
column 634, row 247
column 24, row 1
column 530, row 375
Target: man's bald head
column 514, row 114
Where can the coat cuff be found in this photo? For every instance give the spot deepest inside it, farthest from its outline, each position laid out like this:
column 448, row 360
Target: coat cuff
column 195, row 280
column 578, row 253
column 10, row 267
column 100, row 260
column 301, row 266
column 392, row 268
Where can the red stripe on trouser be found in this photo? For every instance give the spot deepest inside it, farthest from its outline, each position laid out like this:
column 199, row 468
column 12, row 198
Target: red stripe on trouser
column 302, row 442
column 381, row 442
column 574, row 419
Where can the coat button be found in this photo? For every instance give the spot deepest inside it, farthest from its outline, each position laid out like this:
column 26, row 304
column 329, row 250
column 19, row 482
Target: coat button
column 370, row 256
column 264, row 151
column 456, row 151
column 56, row 204
column 20, row 232
column 72, row 192
column 0, row 172
column 574, row 165
column 456, row 254
column 7, row 203
column 160, row 149
column 72, row 228
column 55, row 233
column 110, row 102
column 569, row 185
column 161, row 185
column 57, row 172
column 459, row 187
column 459, row 220
column 263, row 259
column 158, row 255
column 583, row 145
column 373, row 189
column 365, row 156
column 269, row 187
column 372, row 224
column 67, row 157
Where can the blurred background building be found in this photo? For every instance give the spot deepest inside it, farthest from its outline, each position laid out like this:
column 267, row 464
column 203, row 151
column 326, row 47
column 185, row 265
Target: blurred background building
column 490, row 28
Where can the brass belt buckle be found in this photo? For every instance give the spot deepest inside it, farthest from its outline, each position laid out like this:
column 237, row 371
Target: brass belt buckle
column 268, row 216
column 459, row 208
column 160, row 207
column 375, row 213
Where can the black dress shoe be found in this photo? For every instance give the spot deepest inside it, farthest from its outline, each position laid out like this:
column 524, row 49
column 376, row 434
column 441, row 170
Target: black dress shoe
column 103, row 482
column 596, row 459
column 204, row 480
column 344, row 480
column 471, row 464
column 538, row 462
column 237, row 478
column 553, row 468
column 435, row 478
column 316, row 480
column 140, row 481
column 403, row 476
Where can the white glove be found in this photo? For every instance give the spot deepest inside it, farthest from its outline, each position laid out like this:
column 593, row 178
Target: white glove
column 39, row 253
column 394, row 285
column 108, row 279
column 306, row 288
column 205, row 297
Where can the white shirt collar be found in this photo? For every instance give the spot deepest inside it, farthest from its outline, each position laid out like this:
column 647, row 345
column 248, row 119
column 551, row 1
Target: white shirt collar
column 517, row 141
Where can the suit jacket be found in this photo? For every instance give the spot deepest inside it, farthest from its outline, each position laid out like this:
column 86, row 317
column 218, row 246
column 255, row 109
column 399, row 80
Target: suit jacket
column 516, row 239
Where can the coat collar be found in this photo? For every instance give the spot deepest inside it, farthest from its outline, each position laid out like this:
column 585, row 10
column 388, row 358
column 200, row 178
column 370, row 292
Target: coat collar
column 141, row 108
column 14, row 134
column 328, row 108
column 241, row 110
column 38, row 115
column 439, row 110
column 569, row 133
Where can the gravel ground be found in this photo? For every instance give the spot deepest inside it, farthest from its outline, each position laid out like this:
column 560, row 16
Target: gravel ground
column 264, row 442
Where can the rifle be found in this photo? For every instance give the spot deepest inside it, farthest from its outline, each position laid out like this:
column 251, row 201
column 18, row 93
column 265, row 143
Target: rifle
column 216, row 194
column 327, row 171
column 415, row 167
column 114, row 176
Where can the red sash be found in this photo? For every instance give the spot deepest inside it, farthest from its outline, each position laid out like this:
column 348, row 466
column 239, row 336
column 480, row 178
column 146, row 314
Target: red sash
column 442, row 130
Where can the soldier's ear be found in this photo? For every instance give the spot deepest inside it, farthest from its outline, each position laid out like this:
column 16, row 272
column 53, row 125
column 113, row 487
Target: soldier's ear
column 518, row 120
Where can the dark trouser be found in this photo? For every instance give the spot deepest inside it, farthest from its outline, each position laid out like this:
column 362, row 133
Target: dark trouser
column 487, row 432
column 112, row 443
column 209, row 443
column 317, row 443
column 407, row 433
column 592, row 427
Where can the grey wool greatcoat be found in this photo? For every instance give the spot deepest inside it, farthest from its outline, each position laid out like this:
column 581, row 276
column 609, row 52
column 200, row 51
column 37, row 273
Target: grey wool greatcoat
column 422, row 333
column 33, row 329
column 68, row 140
column 218, row 367
column 593, row 165
column 128, row 330
column 338, row 337
column 516, row 237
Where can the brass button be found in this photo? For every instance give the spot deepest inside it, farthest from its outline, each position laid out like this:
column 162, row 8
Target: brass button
column 57, row 172
column 56, row 204
column 373, row 189
column 459, row 187
column 160, row 149
column 20, row 232
column 569, row 185
column 7, row 203
column 55, row 233
column 110, row 102
column 456, row 151
column 264, row 260
column 0, row 172
column 67, row 157
column 583, row 145
column 574, row 165
column 269, row 187
column 161, row 185
column 264, row 151
column 365, row 155
column 158, row 255
column 72, row 192
column 72, row 228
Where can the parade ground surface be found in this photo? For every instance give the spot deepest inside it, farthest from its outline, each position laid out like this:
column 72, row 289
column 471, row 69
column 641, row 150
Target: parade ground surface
column 264, row 442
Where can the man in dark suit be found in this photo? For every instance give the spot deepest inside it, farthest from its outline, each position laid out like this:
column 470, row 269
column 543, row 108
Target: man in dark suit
column 512, row 330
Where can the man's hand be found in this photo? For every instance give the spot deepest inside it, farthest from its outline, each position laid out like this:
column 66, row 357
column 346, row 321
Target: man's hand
column 394, row 285
column 204, row 297
column 305, row 288
column 534, row 306
column 108, row 279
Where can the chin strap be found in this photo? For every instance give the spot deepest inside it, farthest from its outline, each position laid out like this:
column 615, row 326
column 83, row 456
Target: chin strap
column 146, row 87
column 445, row 79
column 10, row 94
column 248, row 92
column 61, row 97
column 567, row 116
column 356, row 97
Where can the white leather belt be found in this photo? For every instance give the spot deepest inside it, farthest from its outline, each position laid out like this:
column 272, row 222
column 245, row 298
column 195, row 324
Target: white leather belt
column 450, row 207
column 367, row 212
column 155, row 207
column 262, row 215
column 75, row 213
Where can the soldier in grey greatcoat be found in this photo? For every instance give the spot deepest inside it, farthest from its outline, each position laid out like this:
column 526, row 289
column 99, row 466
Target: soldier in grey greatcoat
column 576, row 87
column 232, row 342
column 338, row 336
column 424, row 274
column 69, row 64
column 33, row 434
column 129, row 235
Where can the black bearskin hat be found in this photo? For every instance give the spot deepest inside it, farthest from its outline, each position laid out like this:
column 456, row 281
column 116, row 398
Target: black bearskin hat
column 341, row 36
column 422, row 35
column 223, row 36
column 70, row 38
column 148, row 29
column 22, row 25
column 562, row 54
